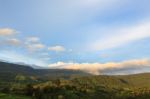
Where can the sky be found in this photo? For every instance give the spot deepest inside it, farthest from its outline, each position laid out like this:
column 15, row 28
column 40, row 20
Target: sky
column 97, row 36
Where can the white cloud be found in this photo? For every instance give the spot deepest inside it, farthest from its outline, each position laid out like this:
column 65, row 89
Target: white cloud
column 108, row 68
column 122, row 36
column 59, row 64
column 10, row 42
column 13, row 41
column 34, row 44
column 8, row 37
column 56, row 48
column 69, row 13
column 7, row 32
column 35, row 47
column 33, row 39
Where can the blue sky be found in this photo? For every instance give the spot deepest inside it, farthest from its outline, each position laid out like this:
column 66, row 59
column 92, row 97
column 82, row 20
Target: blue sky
column 47, row 32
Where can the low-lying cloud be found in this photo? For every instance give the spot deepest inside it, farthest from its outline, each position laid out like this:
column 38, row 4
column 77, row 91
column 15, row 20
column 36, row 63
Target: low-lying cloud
column 125, row 67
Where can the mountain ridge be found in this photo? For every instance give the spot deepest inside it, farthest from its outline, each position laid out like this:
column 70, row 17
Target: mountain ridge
column 14, row 69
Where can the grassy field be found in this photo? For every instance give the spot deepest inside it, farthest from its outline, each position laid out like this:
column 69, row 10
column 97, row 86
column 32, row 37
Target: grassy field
column 8, row 96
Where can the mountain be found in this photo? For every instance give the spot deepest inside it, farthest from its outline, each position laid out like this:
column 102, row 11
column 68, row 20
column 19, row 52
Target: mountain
column 122, row 81
column 25, row 81
column 10, row 70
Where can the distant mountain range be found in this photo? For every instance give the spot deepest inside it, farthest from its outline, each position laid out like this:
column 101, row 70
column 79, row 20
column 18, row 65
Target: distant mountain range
column 12, row 69
column 17, row 76
column 8, row 71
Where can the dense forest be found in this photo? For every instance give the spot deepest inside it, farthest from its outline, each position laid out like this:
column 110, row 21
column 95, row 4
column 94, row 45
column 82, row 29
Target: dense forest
column 23, row 82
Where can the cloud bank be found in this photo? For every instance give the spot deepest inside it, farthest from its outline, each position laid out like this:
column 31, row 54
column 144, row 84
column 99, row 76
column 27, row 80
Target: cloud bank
column 125, row 67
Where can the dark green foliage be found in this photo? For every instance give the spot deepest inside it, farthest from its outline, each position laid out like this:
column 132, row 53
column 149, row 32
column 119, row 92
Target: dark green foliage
column 9, row 71
column 10, row 96
column 22, row 82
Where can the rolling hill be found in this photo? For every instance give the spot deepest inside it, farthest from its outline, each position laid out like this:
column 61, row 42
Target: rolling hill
column 25, row 81
column 9, row 70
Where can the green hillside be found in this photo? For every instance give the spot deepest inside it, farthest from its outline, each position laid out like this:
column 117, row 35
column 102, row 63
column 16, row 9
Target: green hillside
column 134, row 81
column 8, row 96
column 9, row 71
column 23, row 82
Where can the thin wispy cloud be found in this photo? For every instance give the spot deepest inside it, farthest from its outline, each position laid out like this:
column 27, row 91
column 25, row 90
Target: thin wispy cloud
column 122, row 36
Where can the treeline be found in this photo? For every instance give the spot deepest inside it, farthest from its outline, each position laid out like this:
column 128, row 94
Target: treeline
column 75, row 89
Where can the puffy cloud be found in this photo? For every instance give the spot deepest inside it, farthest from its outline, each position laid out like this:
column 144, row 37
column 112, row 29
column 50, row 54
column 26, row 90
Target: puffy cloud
column 35, row 47
column 107, row 68
column 13, row 41
column 34, row 44
column 33, row 39
column 9, row 37
column 10, row 42
column 7, row 31
column 122, row 36
column 56, row 48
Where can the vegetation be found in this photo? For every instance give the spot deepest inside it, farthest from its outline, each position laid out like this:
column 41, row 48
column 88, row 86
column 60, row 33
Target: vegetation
column 9, row 96
column 67, row 84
